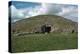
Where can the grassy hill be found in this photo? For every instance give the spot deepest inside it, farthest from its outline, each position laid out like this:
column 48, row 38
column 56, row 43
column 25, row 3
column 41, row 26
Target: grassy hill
column 56, row 40
column 34, row 23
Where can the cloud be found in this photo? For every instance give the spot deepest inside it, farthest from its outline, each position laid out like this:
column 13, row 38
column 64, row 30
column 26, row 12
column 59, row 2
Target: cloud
column 40, row 10
column 43, row 9
column 67, row 11
column 33, row 11
column 51, row 8
column 15, row 14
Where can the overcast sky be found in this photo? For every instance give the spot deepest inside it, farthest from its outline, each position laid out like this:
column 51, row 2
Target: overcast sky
column 21, row 10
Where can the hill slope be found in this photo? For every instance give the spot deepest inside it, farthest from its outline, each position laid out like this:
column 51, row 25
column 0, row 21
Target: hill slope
column 32, row 24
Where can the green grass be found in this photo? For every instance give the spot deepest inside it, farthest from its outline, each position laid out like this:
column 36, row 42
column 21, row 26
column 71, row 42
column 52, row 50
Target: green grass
column 41, row 42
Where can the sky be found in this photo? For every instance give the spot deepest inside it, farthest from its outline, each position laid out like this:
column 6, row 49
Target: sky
column 21, row 10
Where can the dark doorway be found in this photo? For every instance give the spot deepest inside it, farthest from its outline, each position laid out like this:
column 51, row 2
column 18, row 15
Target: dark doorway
column 45, row 28
column 48, row 29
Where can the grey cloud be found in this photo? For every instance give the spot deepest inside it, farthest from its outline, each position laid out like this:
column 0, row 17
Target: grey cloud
column 67, row 11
